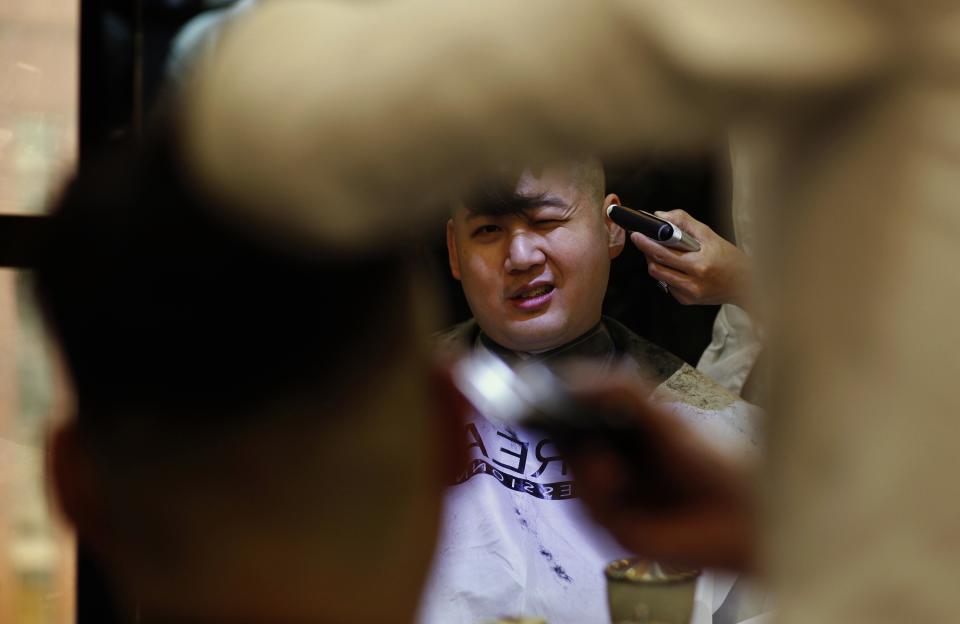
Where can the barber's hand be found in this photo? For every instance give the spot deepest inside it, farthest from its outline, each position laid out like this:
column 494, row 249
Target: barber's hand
column 710, row 520
column 718, row 273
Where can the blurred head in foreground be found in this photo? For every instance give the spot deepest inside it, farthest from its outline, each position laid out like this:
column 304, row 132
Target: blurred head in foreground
column 253, row 437
column 534, row 261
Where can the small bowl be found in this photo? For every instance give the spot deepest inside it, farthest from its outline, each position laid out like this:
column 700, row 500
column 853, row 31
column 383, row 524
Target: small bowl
column 640, row 591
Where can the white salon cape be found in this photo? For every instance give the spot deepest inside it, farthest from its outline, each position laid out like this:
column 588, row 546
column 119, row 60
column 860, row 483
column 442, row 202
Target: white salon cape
column 516, row 540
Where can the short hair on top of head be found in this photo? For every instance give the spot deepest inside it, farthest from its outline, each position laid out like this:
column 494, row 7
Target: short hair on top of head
column 161, row 308
column 588, row 174
column 502, row 198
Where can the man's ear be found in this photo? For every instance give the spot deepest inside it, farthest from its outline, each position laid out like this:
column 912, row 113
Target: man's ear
column 452, row 256
column 616, row 237
column 76, row 487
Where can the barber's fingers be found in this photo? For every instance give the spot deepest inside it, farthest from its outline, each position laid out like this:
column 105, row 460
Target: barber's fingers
column 688, row 224
column 656, row 252
column 683, row 287
column 667, row 265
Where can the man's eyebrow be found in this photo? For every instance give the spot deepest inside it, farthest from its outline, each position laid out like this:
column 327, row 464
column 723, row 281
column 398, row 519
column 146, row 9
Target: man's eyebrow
column 532, row 203
column 496, row 204
column 548, row 201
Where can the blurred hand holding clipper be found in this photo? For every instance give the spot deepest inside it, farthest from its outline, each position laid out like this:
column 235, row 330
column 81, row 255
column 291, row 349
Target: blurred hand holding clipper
column 534, row 397
column 652, row 226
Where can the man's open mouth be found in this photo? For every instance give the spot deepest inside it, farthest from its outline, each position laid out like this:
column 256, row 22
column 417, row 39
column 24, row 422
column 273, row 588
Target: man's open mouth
column 539, row 291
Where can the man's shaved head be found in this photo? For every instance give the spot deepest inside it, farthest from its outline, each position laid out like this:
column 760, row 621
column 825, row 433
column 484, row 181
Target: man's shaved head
column 588, row 175
column 504, row 196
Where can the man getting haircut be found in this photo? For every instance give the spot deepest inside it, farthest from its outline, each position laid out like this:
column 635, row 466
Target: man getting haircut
column 534, row 262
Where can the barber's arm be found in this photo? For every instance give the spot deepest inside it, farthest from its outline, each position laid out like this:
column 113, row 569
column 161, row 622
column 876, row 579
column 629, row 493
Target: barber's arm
column 718, row 273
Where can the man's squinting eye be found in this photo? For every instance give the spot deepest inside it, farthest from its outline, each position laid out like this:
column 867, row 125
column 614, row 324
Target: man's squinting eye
column 486, row 229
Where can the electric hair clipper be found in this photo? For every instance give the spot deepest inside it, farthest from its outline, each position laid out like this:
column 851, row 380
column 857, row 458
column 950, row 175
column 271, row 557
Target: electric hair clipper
column 652, row 226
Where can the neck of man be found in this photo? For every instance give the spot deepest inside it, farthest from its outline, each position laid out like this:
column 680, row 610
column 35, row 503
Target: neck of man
column 595, row 345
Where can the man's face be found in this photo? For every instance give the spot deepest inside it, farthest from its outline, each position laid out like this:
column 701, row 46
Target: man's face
column 535, row 280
